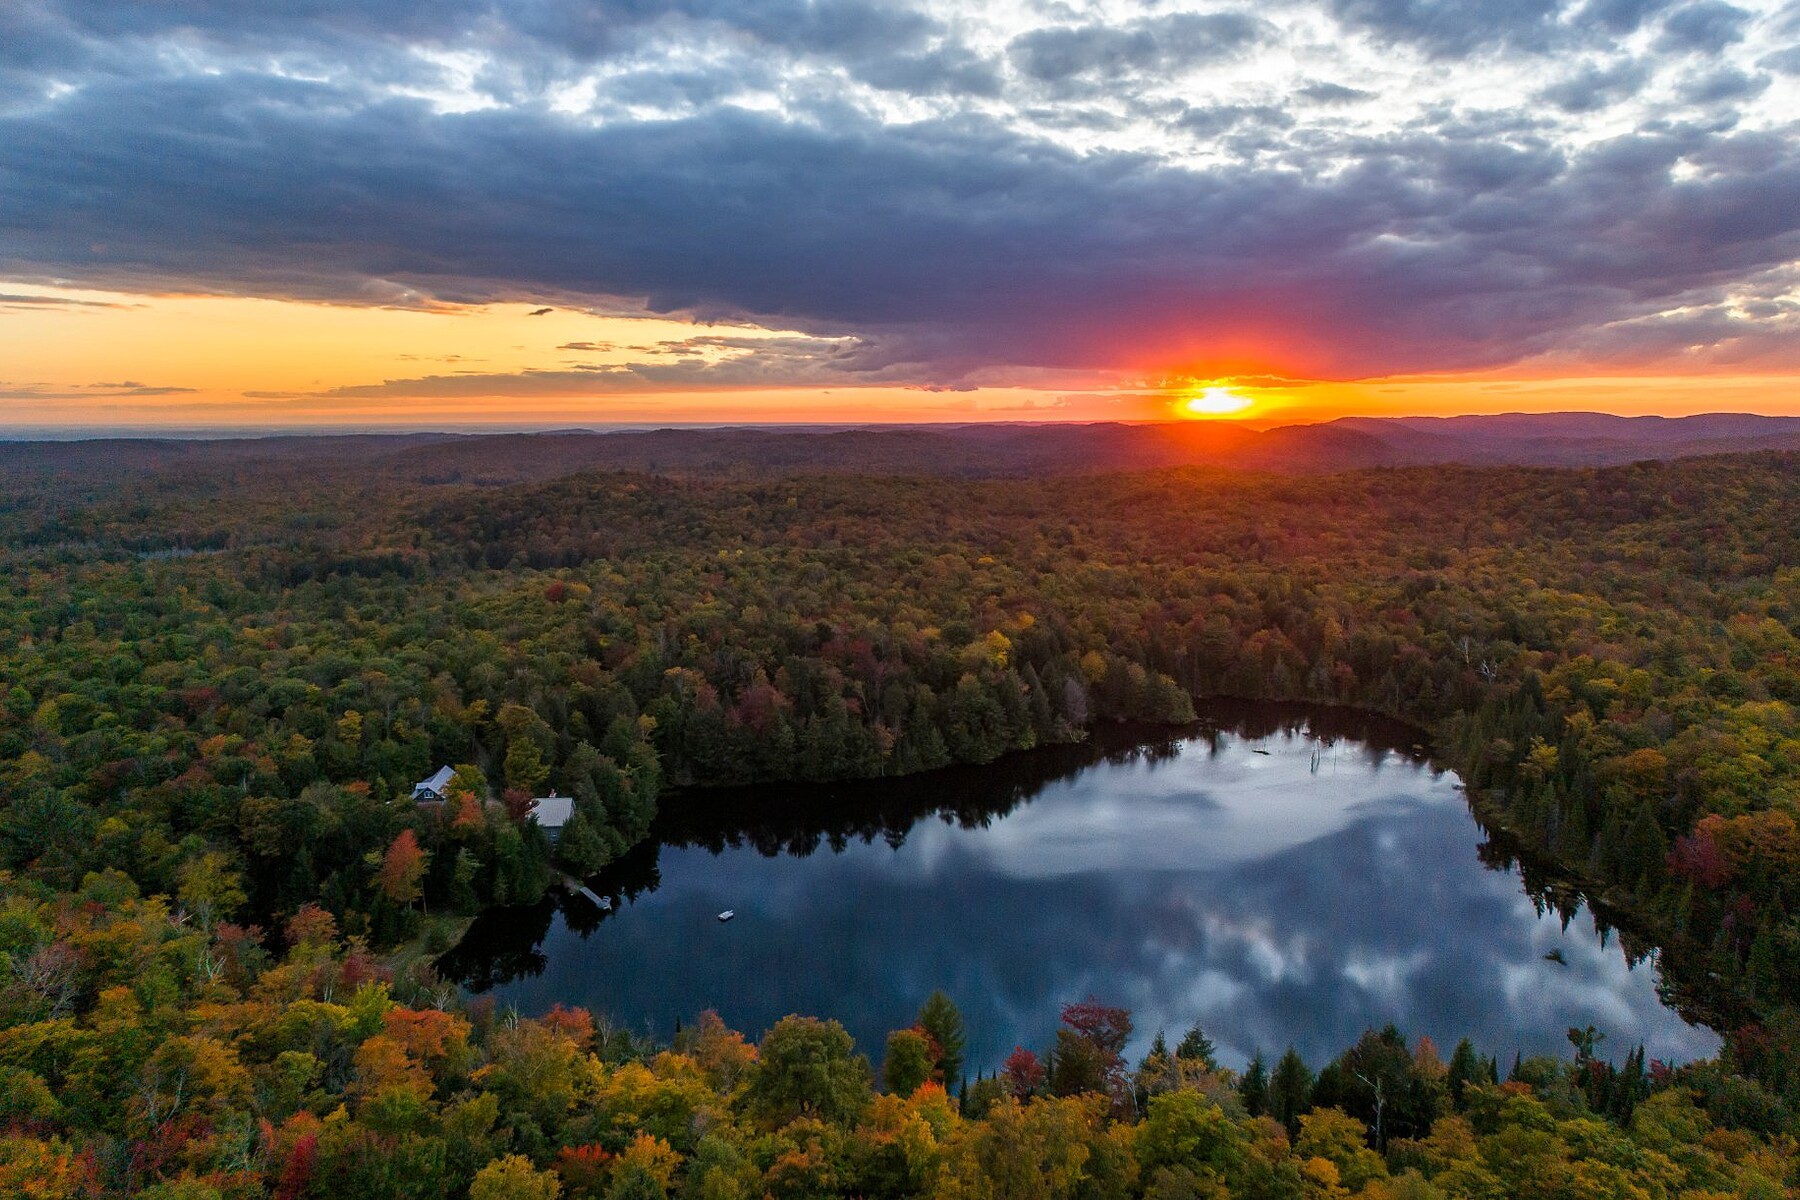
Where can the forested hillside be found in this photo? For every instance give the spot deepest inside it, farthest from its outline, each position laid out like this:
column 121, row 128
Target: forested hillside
column 973, row 451
column 223, row 680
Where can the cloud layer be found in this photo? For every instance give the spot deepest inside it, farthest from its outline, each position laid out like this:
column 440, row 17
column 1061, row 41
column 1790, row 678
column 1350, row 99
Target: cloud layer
column 1336, row 189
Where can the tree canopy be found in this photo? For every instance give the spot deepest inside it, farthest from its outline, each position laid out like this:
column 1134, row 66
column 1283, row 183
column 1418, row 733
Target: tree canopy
column 222, row 682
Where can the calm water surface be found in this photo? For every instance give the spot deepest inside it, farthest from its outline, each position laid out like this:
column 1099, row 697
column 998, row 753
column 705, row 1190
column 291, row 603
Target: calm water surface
column 1278, row 875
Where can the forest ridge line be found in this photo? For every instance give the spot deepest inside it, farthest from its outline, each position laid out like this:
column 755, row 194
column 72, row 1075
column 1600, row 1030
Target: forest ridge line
column 999, row 449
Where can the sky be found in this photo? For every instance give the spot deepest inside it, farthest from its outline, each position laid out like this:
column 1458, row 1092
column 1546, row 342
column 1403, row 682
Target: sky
column 400, row 213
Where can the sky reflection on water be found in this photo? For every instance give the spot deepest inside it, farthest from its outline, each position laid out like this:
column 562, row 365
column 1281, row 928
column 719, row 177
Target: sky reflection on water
column 1274, row 888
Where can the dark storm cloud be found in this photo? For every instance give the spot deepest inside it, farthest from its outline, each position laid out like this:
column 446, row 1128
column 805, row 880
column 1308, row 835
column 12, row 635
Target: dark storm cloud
column 573, row 28
column 1726, row 85
column 1621, row 16
column 1707, row 27
column 1165, row 43
column 958, row 241
column 29, row 301
column 964, row 241
column 1452, row 27
column 525, row 46
column 950, row 68
column 1334, row 93
column 1222, row 118
column 749, row 362
column 68, row 40
column 1596, row 87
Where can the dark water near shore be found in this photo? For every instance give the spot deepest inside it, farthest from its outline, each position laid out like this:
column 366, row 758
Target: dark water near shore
column 1278, row 874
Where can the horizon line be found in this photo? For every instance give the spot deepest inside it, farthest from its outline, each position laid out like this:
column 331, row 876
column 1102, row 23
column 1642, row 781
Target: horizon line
column 24, row 434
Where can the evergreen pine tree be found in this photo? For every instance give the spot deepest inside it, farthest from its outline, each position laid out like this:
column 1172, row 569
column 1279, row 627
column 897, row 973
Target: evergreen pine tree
column 1290, row 1091
column 1253, row 1088
column 1466, row 1067
column 942, row 1021
column 1195, row 1046
column 581, row 848
column 1645, row 855
column 1631, row 1087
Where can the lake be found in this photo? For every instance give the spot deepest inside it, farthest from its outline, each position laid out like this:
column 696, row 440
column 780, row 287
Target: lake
column 1278, row 874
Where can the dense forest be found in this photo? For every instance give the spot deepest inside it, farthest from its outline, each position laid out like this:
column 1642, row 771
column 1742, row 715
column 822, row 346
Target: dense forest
column 223, row 678
column 191, row 1063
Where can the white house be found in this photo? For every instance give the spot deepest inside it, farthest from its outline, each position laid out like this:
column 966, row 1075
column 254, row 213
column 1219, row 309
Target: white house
column 552, row 812
column 436, row 789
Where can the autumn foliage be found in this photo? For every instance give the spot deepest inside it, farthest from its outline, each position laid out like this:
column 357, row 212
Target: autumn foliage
column 195, row 746
column 403, row 868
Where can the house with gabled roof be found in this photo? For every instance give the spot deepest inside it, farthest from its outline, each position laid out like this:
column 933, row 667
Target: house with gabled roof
column 436, row 789
column 551, row 813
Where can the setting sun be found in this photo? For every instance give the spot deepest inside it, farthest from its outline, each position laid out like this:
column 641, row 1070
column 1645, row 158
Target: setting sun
column 1215, row 402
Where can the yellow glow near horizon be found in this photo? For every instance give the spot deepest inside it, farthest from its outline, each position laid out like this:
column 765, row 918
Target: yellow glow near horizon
column 1216, row 401
column 85, row 359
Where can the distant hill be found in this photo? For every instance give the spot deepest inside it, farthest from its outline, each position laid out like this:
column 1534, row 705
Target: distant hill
column 1557, row 439
column 964, row 451
column 152, row 454
column 1575, row 439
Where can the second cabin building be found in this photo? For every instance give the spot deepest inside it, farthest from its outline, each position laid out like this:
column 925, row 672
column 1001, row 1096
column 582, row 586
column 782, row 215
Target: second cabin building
column 551, row 813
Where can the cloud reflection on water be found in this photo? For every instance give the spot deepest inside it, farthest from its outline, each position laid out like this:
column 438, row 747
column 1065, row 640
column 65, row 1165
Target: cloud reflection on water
column 1274, row 897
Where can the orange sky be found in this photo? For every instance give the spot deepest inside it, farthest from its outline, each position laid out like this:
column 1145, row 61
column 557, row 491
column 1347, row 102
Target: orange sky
column 89, row 359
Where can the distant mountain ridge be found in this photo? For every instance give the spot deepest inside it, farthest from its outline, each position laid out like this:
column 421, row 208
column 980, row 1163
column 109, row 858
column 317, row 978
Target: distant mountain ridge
column 964, row 451
column 1576, row 438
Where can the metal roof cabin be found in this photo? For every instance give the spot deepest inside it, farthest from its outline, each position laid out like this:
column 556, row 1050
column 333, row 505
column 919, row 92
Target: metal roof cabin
column 433, row 790
column 552, row 812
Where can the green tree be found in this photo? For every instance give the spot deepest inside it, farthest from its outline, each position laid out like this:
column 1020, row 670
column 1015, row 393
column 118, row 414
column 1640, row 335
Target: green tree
column 1253, row 1086
column 942, row 1022
column 808, row 1067
column 581, row 847
column 1466, row 1067
column 1185, row 1129
column 521, row 864
column 1340, row 1139
column 1195, row 1046
column 525, row 767
column 1378, row 1081
column 514, row 1178
column 908, row 1063
column 1290, row 1090
column 210, row 887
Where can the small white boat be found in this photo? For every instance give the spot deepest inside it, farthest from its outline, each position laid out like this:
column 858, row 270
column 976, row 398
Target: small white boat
column 728, row 914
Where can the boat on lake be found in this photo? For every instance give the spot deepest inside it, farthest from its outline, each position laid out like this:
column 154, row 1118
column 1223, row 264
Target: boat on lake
column 727, row 914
